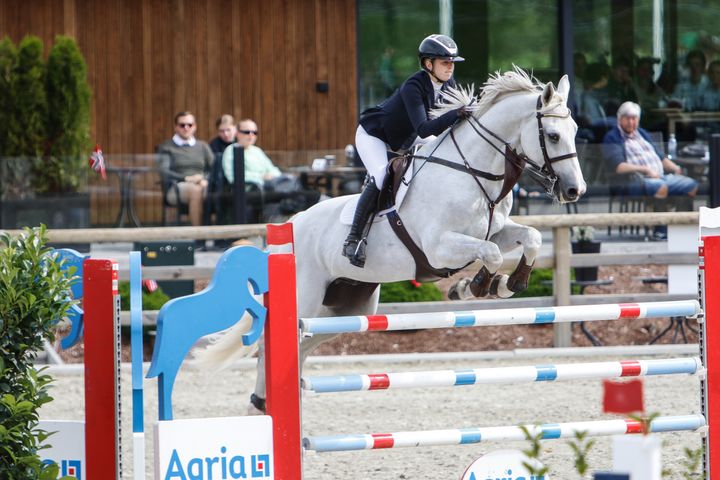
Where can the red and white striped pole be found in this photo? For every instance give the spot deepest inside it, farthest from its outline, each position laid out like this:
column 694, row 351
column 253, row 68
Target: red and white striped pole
column 282, row 364
column 101, row 305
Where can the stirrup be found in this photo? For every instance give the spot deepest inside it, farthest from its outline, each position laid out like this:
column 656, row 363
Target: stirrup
column 356, row 257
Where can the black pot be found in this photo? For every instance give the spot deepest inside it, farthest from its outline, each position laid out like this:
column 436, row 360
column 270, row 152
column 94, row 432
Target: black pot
column 586, row 274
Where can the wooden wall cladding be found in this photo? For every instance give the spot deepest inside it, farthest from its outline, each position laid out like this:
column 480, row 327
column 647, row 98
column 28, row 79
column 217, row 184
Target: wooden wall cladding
column 148, row 59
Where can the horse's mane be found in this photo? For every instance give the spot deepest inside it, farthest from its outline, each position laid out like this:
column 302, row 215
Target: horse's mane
column 498, row 85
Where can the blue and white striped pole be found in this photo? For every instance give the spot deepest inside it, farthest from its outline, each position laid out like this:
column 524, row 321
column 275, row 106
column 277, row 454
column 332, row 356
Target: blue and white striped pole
column 136, row 344
column 481, row 376
column 505, row 316
column 463, row 436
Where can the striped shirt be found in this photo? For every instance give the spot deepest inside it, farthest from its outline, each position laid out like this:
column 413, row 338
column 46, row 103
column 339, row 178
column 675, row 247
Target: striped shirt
column 639, row 151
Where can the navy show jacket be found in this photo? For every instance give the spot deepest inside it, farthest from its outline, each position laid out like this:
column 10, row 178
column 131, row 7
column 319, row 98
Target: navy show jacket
column 403, row 116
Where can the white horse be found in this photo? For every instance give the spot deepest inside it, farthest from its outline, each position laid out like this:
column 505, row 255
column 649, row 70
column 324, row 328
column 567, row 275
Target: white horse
column 445, row 210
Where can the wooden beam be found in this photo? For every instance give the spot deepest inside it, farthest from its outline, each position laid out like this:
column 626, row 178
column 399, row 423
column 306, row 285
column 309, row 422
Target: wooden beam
column 562, row 332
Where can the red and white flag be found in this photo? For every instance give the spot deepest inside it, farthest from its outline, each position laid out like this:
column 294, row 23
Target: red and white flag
column 150, row 285
column 97, row 161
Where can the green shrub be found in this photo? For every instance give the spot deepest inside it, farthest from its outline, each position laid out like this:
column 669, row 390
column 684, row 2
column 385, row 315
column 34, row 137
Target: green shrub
column 45, row 113
column 540, row 284
column 27, row 131
column 34, row 295
column 8, row 64
column 151, row 301
column 407, row 291
column 68, row 118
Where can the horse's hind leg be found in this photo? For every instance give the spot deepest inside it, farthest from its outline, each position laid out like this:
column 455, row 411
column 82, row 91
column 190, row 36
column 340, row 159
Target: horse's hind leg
column 307, row 344
column 257, row 399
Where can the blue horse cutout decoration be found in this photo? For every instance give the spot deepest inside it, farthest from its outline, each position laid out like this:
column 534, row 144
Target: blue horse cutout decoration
column 183, row 321
column 75, row 259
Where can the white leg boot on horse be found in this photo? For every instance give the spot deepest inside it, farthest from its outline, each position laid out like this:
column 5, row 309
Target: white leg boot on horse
column 485, row 284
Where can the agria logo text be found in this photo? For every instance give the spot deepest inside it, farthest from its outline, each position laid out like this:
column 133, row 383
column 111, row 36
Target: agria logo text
column 69, row 468
column 222, row 467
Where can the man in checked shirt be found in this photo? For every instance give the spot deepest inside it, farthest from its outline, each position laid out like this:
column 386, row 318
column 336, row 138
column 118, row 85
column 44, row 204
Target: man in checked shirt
column 627, row 149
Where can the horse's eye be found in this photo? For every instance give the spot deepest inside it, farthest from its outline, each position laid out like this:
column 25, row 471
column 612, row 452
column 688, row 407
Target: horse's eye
column 554, row 137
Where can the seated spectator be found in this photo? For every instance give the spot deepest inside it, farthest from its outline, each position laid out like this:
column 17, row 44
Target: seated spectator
column 710, row 97
column 190, row 162
column 591, row 117
column 628, row 149
column 258, row 167
column 650, row 94
column 226, row 134
column 689, row 90
column 620, row 87
column 283, row 194
column 579, row 66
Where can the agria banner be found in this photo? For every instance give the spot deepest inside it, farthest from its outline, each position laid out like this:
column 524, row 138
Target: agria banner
column 66, row 447
column 214, row 448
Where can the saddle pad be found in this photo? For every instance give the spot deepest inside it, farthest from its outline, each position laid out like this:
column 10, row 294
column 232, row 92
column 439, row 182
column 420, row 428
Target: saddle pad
column 348, row 211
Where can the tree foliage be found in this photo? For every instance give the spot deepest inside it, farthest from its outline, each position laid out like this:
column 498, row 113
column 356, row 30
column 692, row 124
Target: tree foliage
column 8, row 64
column 27, row 128
column 45, row 114
column 34, row 294
column 68, row 117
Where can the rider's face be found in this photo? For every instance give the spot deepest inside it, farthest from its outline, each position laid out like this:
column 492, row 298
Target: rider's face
column 442, row 69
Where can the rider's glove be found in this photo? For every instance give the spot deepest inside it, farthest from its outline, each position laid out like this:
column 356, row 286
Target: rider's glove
column 464, row 113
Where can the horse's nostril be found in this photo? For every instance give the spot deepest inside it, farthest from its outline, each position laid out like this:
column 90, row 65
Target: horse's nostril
column 572, row 193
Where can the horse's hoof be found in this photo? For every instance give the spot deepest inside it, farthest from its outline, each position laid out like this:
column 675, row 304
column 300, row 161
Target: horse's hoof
column 253, row 410
column 453, row 293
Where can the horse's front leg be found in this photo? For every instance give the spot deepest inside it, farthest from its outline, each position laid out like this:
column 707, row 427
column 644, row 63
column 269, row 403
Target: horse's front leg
column 457, row 249
column 509, row 238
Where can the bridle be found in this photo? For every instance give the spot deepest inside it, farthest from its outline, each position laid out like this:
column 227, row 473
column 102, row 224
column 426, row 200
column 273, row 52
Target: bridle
column 547, row 171
column 543, row 174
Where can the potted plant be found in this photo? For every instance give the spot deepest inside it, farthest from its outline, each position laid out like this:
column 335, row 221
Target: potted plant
column 583, row 241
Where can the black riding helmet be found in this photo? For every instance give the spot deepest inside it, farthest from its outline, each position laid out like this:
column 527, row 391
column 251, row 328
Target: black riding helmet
column 438, row 46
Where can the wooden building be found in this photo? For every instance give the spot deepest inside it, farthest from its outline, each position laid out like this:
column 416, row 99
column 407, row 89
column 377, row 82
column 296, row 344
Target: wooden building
column 291, row 65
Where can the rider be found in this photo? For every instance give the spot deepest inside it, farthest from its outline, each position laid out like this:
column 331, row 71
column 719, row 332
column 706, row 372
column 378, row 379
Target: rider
column 399, row 122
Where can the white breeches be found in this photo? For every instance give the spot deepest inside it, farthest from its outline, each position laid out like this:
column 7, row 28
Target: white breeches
column 373, row 153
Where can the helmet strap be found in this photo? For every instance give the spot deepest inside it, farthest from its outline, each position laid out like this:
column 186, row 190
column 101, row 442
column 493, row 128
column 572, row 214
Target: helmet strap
column 430, row 70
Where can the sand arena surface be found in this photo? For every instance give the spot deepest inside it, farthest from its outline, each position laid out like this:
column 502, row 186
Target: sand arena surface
column 209, row 394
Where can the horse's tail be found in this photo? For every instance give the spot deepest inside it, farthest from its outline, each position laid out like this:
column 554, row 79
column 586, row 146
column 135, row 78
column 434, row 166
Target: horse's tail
column 226, row 347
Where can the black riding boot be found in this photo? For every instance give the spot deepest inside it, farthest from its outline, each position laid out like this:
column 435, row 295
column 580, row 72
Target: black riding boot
column 354, row 246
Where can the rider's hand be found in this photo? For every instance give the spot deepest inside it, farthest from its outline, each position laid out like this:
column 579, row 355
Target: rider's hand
column 464, row 113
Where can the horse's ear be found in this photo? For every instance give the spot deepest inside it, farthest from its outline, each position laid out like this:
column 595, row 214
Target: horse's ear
column 564, row 87
column 548, row 93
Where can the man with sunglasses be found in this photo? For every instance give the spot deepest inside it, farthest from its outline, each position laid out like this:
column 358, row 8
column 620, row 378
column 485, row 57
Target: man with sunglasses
column 190, row 161
column 258, row 167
